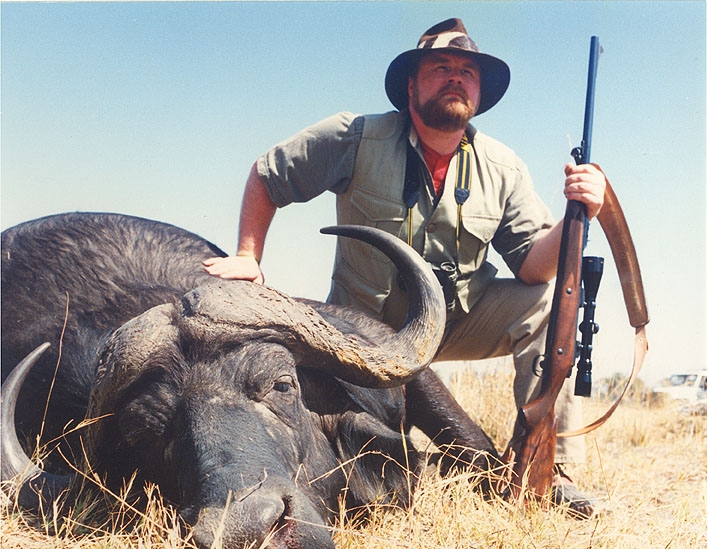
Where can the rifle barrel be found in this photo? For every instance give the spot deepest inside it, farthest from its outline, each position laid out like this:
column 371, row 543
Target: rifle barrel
column 582, row 153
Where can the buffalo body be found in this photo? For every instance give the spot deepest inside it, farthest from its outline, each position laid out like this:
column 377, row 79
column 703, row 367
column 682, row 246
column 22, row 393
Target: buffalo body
column 247, row 407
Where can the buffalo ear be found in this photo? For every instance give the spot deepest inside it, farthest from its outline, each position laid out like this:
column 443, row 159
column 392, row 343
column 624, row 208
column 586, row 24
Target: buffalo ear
column 381, row 464
column 323, row 395
column 378, row 461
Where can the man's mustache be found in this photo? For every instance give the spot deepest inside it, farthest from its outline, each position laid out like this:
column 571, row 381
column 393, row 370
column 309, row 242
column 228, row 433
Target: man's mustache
column 453, row 88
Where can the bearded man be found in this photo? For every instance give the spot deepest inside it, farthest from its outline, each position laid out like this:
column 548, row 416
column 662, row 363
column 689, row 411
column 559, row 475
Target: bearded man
column 426, row 175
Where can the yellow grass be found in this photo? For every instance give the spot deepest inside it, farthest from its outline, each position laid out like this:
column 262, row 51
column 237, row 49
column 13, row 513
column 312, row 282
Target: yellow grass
column 647, row 466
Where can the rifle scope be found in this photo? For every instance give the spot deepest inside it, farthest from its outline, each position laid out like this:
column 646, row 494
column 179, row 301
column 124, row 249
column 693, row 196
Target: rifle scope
column 591, row 275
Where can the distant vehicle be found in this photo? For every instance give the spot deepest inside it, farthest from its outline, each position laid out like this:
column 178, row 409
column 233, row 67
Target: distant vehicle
column 688, row 386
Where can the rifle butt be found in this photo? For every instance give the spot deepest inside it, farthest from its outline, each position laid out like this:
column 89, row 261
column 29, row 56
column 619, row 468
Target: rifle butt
column 531, row 461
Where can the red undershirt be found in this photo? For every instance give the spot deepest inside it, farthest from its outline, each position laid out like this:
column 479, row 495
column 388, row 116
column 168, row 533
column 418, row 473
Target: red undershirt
column 438, row 165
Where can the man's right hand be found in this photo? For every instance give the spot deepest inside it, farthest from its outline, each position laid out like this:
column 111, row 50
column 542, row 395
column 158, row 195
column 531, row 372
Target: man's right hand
column 235, row 267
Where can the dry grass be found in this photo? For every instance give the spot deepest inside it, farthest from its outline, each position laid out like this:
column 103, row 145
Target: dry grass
column 647, row 466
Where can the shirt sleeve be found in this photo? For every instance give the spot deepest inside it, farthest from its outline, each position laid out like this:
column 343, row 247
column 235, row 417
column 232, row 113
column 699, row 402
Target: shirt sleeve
column 525, row 214
column 314, row 160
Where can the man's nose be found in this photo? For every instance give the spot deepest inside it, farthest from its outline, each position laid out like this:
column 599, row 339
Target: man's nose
column 455, row 74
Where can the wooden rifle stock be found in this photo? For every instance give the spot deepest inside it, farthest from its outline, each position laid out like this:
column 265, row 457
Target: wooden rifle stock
column 533, row 464
column 559, row 357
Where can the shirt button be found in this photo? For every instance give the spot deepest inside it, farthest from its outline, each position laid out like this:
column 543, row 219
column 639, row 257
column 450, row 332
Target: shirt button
column 431, row 227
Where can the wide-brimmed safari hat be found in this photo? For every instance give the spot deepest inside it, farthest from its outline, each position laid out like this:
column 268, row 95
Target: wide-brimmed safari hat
column 448, row 36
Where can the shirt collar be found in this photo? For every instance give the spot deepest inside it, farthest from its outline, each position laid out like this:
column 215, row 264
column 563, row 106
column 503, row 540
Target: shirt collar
column 414, row 140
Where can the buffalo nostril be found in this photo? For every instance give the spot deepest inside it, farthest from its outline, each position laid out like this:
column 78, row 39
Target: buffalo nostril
column 241, row 523
column 271, row 514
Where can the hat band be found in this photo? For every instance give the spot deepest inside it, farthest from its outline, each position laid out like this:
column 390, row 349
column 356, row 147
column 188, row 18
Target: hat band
column 449, row 40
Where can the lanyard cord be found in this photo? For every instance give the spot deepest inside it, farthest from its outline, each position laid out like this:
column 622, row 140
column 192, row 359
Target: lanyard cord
column 411, row 187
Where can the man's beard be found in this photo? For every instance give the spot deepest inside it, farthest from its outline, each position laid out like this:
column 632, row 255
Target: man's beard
column 440, row 113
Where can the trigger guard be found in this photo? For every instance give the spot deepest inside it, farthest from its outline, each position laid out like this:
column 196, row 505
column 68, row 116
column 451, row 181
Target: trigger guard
column 538, row 365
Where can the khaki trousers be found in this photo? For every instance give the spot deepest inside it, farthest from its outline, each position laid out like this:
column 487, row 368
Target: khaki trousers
column 511, row 318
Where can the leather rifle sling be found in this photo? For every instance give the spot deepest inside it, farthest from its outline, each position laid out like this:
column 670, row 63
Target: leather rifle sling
column 614, row 225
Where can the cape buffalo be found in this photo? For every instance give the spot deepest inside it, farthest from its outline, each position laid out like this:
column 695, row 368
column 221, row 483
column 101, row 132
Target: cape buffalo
column 252, row 411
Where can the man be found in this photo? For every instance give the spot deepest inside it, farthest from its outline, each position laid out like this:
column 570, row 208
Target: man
column 426, row 175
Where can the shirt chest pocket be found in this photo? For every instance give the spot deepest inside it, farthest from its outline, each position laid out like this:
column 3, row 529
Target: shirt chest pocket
column 476, row 232
column 382, row 212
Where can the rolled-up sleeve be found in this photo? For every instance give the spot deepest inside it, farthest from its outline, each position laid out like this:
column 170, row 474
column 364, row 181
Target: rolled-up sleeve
column 524, row 216
column 316, row 159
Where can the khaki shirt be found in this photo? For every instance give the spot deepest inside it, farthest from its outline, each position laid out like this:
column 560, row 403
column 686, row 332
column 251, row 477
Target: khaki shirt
column 362, row 159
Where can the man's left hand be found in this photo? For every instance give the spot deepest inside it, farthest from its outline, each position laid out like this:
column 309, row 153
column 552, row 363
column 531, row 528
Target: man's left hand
column 586, row 184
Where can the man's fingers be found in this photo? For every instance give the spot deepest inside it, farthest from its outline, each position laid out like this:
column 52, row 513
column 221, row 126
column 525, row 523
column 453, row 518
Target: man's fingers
column 234, row 268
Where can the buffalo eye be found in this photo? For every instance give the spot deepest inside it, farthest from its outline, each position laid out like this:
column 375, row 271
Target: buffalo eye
column 282, row 398
column 284, row 384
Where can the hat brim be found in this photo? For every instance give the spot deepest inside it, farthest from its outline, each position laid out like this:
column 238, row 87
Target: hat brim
column 494, row 73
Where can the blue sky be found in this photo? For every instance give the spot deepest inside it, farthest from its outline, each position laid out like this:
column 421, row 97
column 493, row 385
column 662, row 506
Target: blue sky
column 159, row 110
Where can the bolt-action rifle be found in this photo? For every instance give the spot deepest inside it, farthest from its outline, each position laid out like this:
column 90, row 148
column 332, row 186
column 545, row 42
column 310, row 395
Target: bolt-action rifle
column 532, row 452
column 534, row 456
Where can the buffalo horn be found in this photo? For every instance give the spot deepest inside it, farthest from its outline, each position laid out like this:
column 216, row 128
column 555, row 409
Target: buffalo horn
column 337, row 340
column 402, row 356
column 17, row 469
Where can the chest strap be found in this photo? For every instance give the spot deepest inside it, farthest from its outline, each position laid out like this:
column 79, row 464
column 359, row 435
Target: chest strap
column 464, row 181
column 411, row 186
